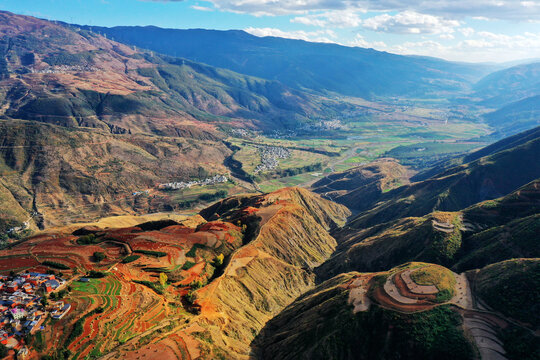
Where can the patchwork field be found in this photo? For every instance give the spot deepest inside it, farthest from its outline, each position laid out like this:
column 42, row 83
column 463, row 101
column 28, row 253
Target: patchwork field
column 143, row 283
column 416, row 136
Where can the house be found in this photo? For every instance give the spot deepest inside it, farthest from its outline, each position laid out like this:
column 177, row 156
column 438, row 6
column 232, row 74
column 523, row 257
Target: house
column 51, row 285
column 12, row 287
column 58, row 314
column 17, row 313
column 4, row 338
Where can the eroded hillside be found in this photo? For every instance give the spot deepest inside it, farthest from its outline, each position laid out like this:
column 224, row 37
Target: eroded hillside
column 53, row 176
column 73, row 77
column 253, row 253
column 361, row 186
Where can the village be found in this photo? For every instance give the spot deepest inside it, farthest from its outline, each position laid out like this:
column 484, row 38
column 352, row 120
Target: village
column 24, row 307
column 185, row 185
column 270, row 156
column 63, row 69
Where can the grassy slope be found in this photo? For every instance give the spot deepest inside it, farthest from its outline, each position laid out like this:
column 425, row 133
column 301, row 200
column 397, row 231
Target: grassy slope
column 362, row 184
column 517, row 239
column 394, row 243
column 321, row 325
column 512, row 287
column 488, row 177
column 499, row 229
column 501, row 145
column 276, row 261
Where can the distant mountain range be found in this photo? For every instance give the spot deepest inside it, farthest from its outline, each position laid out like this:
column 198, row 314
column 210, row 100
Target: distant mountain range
column 299, row 64
column 515, row 117
column 351, row 71
column 72, row 77
column 509, row 85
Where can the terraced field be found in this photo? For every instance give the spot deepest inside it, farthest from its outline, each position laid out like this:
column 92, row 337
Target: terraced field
column 117, row 303
column 128, row 309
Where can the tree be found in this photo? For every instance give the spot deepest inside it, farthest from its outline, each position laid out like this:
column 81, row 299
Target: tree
column 163, row 279
column 44, row 301
column 191, row 297
column 218, row 260
column 99, row 256
column 196, row 284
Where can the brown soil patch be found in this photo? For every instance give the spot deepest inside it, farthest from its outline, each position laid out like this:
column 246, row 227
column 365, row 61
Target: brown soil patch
column 381, row 297
column 404, row 290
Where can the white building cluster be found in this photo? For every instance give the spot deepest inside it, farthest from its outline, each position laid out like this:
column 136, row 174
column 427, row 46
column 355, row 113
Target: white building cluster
column 270, row 156
column 185, row 185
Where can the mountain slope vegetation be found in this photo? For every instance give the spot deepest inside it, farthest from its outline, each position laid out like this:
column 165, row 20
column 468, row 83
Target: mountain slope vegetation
column 516, row 117
column 459, row 186
column 477, row 236
column 359, row 185
column 305, row 65
column 509, row 85
column 322, row 324
column 73, row 77
column 60, row 175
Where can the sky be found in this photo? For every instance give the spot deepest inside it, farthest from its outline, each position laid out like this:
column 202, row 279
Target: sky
column 458, row 30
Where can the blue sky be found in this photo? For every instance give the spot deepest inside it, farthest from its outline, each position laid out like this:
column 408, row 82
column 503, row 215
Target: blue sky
column 461, row 30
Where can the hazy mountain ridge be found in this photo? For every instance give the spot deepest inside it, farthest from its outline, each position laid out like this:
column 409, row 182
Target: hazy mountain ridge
column 73, row 77
column 516, row 117
column 509, row 85
column 305, row 65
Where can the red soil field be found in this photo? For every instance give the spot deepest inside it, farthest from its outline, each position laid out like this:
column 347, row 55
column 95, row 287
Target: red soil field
column 386, row 301
column 13, row 263
column 403, row 290
column 250, row 210
column 178, row 230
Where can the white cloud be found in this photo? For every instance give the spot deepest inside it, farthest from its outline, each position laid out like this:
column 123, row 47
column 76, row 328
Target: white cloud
column 337, row 19
column 518, row 10
column 201, row 8
column 447, row 36
column 410, row 22
column 324, row 36
column 484, row 47
column 428, row 47
column 466, row 31
column 360, row 41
